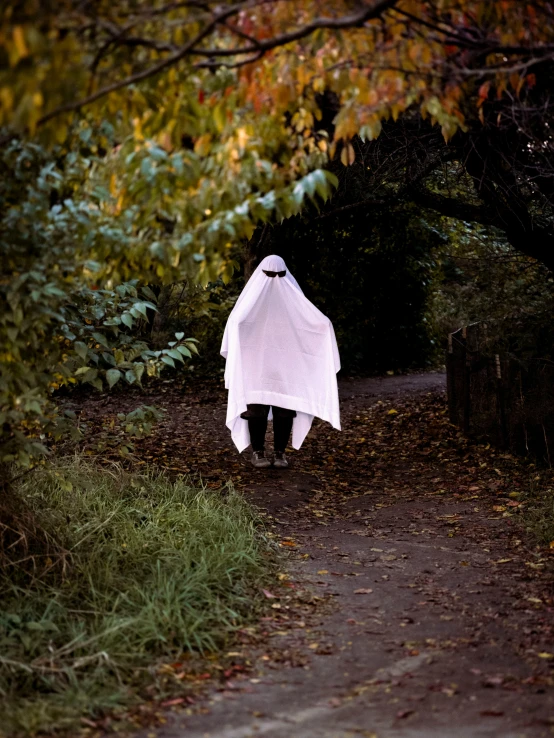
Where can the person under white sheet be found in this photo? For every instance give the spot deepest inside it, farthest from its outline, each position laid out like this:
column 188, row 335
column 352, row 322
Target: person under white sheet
column 281, row 363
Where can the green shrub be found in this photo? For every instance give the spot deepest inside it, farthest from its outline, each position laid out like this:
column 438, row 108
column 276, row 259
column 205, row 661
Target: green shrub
column 485, row 280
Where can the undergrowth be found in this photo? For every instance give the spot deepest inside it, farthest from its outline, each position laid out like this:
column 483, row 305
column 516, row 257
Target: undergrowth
column 156, row 568
column 538, row 515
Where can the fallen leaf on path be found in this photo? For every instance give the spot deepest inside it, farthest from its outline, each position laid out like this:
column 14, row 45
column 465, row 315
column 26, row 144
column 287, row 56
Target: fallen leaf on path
column 174, row 701
column 89, row 723
column 404, row 713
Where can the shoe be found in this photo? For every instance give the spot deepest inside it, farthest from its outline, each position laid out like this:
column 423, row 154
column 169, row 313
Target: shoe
column 259, row 460
column 280, row 461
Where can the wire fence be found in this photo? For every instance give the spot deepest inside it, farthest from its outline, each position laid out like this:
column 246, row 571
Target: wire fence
column 498, row 398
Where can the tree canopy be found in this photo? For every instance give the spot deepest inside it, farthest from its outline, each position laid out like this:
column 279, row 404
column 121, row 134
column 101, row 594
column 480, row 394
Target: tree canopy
column 234, row 94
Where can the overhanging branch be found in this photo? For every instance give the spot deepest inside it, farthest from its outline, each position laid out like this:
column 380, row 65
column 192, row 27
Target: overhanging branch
column 453, row 208
column 256, row 49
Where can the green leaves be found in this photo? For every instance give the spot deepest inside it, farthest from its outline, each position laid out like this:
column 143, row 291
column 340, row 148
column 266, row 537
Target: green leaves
column 102, row 340
column 113, row 376
column 80, row 349
column 319, row 183
column 186, row 351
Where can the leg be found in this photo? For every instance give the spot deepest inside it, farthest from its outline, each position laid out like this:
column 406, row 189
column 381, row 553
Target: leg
column 256, row 415
column 257, row 428
column 282, row 426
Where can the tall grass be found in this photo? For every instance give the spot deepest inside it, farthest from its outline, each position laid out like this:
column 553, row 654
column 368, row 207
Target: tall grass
column 156, row 568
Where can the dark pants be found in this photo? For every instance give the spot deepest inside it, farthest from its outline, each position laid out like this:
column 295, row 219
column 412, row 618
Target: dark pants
column 257, row 425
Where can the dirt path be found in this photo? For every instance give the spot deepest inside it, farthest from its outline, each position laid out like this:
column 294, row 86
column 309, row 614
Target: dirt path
column 434, row 616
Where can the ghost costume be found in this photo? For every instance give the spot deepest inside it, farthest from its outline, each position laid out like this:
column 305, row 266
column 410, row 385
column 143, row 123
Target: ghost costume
column 281, row 351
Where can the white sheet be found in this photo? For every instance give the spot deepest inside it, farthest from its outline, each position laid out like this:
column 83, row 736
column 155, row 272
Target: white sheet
column 280, row 350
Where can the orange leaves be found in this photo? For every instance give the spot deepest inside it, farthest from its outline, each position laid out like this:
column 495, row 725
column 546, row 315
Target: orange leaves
column 483, row 92
column 347, row 155
column 283, row 94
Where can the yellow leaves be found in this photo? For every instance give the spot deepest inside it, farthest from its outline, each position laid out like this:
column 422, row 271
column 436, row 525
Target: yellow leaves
column 347, row 155
column 242, row 137
column 302, row 119
column 137, row 130
column 283, row 94
column 6, row 102
column 226, row 271
column 303, row 75
column 219, row 117
column 202, row 145
column 318, row 85
column 19, row 50
column 61, row 131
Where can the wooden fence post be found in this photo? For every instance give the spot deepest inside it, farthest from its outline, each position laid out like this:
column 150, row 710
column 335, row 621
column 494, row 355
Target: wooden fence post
column 467, row 383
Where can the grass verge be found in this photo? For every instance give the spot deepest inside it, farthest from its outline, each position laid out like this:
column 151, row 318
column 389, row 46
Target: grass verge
column 156, row 568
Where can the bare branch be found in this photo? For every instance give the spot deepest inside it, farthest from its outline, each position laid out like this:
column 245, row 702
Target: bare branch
column 256, row 49
column 228, row 65
column 243, row 35
column 453, row 207
column 349, row 21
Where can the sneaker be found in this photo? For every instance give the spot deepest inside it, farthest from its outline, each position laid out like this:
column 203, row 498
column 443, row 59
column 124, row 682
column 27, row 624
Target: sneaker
column 280, row 461
column 259, row 460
